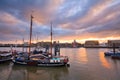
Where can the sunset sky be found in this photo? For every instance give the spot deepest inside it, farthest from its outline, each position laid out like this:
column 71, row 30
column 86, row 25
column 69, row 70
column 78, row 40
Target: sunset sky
column 72, row 19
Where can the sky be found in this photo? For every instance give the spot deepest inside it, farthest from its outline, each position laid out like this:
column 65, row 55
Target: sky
column 78, row 20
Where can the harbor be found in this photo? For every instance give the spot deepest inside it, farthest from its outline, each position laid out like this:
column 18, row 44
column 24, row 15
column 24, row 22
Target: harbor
column 59, row 40
column 86, row 64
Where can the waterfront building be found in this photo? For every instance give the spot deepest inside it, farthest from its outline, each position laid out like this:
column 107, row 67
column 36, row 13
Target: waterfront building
column 103, row 45
column 111, row 42
column 91, row 43
column 75, row 44
column 43, row 44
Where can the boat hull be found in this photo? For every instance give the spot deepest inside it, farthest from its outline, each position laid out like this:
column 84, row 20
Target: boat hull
column 4, row 57
column 115, row 56
column 40, row 64
column 108, row 54
column 5, row 60
column 41, row 60
column 111, row 53
column 52, row 65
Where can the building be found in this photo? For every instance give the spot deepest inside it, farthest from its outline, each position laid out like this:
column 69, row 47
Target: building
column 116, row 43
column 92, row 43
column 26, row 44
column 103, row 45
column 43, row 44
column 75, row 44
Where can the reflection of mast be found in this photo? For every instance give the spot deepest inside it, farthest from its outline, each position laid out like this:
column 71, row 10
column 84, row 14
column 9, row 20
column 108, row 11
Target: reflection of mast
column 10, row 71
column 51, row 39
column 30, row 34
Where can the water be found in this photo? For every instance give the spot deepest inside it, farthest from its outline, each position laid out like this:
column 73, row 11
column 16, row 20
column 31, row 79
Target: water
column 85, row 64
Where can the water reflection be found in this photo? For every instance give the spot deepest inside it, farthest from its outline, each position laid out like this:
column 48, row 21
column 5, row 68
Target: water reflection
column 5, row 71
column 85, row 64
column 76, row 55
column 92, row 55
column 103, row 60
column 37, row 73
column 82, row 55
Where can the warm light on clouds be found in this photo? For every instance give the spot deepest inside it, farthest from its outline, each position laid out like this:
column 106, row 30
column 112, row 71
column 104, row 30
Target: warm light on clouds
column 7, row 18
column 72, row 20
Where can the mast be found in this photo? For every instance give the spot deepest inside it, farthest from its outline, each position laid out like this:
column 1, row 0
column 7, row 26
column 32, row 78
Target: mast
column 114, row 48
column 51, row 40
column 23, row 45
column 30, row 34
column 16, row 45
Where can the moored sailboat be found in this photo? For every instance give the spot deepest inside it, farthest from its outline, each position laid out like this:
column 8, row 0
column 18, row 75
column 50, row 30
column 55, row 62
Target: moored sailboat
column 45, row 60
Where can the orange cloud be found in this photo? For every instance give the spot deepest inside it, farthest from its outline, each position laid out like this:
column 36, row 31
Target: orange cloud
column 8, row 19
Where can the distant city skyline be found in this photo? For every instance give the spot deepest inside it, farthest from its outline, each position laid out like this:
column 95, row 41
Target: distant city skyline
column 78, row 20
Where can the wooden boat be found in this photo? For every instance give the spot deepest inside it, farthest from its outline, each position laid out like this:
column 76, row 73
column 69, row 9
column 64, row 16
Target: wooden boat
column 43, row 60
column 5, row 56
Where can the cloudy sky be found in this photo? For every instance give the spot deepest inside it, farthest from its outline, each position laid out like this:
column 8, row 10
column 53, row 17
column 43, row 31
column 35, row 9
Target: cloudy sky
column 72, row 19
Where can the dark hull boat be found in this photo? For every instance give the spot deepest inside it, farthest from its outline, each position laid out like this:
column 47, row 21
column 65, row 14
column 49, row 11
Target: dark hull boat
column 108, row 53
column 5, row 56
column 111, row 53
column 114, row 54
column 41, row 60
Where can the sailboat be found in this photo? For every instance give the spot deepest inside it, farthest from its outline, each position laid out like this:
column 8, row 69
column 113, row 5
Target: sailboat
column 42, row 60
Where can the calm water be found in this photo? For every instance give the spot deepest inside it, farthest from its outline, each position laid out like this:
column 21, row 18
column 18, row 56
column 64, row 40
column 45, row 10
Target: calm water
column 85, row 64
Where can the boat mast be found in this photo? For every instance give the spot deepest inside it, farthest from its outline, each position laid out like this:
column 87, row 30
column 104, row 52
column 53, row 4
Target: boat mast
column 30, row 34
column 23, row 45
column 51, row 40
column 114, row 48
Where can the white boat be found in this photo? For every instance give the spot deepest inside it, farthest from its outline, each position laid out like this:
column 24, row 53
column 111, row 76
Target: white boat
column 5, row 56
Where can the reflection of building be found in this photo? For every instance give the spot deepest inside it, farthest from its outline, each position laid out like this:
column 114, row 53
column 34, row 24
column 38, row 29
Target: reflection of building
column 92, row 43
column 111, row 42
